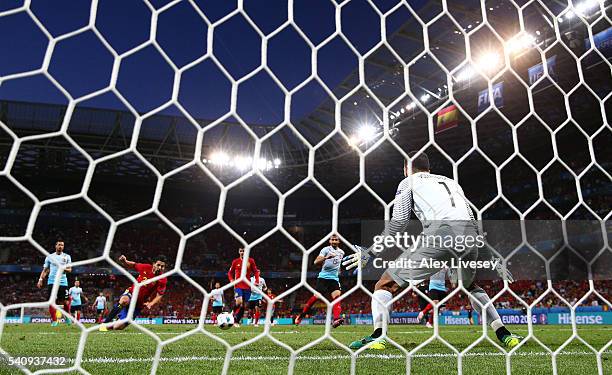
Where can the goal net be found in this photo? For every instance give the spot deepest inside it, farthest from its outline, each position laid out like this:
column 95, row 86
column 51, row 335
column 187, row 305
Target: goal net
column 180, row 131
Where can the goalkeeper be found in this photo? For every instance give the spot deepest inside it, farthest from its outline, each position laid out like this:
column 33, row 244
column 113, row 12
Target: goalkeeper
column 440, row 205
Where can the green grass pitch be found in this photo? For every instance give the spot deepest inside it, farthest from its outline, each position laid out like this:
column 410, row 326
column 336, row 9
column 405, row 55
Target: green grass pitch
column 131, row 351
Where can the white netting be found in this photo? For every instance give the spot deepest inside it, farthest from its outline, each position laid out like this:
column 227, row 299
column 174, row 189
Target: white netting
column 389, row 110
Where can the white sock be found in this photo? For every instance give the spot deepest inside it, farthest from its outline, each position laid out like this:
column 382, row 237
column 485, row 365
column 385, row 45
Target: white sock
column 483, row 298
column 379, row 310
column 496, row 324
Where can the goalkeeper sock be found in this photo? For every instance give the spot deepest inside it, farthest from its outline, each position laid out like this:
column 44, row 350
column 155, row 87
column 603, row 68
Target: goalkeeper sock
column 309, row 304
column 256, row 319
column 336, row 310
column 427, row 308
column 113, row 313
column 477, row 294
column 379, row 309
column 52, row 312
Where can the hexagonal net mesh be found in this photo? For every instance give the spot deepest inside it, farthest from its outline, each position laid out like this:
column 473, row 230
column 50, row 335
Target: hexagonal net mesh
column 508, row 98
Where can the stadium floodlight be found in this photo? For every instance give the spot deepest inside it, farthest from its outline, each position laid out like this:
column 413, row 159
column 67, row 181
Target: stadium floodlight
column 243, row 163
column 219, row 158
column 410, row 105
column 277, row 162
column 465, row 74
column 425, row 97
column 366, row 132
column 489, row 61
column 261, row 163
column 402, row 110
column 586, row 6
column 520, row 42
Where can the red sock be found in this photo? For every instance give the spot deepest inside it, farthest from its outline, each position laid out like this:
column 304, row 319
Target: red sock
column 336, row 310
column 309, row 304
column 257, row 314
column 78, row 316
column 214, row 318
column 430, row 320
column 52, row 312
column 427, row 308
column 238, row 313
column 67, row 306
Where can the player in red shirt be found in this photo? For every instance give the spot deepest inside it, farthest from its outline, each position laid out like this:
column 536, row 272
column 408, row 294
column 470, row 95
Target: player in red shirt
column 149, row 294
column 242, row 290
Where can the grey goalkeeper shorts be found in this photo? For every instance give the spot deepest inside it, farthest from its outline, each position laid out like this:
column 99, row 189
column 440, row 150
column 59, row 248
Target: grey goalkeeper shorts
column 430, row 256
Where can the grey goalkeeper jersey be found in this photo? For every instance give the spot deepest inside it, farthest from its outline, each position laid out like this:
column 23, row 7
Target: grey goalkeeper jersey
column 433, row 199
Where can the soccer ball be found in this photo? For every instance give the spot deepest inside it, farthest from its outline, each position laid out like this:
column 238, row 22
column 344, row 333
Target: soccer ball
column 225, row 320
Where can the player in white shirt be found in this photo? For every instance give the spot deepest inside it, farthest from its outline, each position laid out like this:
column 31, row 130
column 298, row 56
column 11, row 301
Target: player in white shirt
column 256, row 299
column 56, row 263
column 76, row 293
column 440, row 204
column 100, row 306
column 328, row 281
column 216, row 296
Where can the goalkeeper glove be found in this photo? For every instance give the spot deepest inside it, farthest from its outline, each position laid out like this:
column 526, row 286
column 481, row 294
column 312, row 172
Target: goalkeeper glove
column 358, row 259
column 453, row 277
column 502, row 271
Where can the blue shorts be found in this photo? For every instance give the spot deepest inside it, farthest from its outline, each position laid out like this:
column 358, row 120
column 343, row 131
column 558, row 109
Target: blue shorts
column 244, row 293
column 253, row 303
column 124, row 312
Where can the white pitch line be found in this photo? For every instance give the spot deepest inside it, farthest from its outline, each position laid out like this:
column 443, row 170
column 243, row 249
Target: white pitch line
column 321, row 358
column 156, row 333
column 422, row 332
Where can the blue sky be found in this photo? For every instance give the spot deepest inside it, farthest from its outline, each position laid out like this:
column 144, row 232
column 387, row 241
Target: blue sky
column 82, row 64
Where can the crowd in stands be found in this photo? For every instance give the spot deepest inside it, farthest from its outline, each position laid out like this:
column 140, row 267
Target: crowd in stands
column 85, row 235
